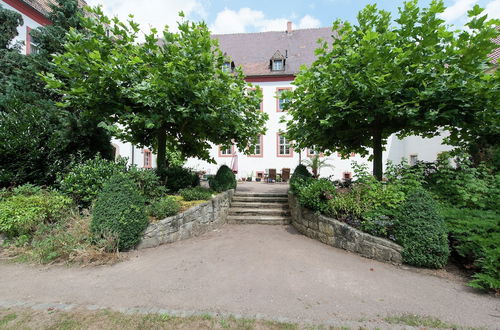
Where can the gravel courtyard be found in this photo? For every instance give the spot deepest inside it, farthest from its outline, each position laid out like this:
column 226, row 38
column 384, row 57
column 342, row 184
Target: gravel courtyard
column 269, row 271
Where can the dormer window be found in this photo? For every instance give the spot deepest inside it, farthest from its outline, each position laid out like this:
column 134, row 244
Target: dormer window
column 277, row 62
column 278, row 65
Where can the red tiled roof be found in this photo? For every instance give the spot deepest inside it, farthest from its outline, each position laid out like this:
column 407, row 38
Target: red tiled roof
column 496, row 53
column 253, row 51
column 43, row 6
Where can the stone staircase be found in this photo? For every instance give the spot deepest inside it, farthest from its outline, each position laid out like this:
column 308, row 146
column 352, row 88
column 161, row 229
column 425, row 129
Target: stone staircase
column 259, row 208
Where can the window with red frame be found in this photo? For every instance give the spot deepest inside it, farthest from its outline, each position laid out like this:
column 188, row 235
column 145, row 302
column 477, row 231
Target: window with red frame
column 256, row 149
column 284, row 148
column 347, row 175
column 225, row 151
column 281, row 102
column 148, row 159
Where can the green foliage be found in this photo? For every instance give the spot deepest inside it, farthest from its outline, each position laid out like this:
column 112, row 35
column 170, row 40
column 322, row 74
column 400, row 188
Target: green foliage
column 375, row 80
column 474, row 237
column 196, row 193
column 186, row 89
column 179, row 178
column 223, row 180
column 316, row 194
column 465, row 185
column 119, row 212
column 86, row 180
column 164, row 207
column 28, row 207
column 10, row 20
column 421, row 231
column 148, row 182
column 299, row 172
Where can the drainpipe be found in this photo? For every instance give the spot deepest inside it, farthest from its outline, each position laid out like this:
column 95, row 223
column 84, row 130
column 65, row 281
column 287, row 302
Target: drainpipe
column 132, row 158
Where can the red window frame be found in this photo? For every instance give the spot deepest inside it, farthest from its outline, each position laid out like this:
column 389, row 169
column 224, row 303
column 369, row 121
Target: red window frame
column 278, row 89
column 278, row 147
column 224, row 155
column 261, row 141
column 261, row 100
column 148, row 159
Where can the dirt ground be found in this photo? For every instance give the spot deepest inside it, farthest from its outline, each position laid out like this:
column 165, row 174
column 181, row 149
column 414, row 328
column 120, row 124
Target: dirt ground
column 269, row 272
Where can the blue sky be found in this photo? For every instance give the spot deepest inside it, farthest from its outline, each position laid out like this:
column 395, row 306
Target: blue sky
column 230, row 16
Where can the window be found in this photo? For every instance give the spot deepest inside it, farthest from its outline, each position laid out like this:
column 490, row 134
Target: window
column 347, row 175
column 225, row 151
column 261, row 100
column 311, row 152
column 148, row 159
column 278, row 65
column 279, row 101
column 256, row 150
column 284, row 147
column 31, row 44
column 413, row 160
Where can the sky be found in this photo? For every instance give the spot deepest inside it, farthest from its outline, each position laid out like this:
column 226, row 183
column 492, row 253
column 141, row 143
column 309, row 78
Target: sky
column 237, row 16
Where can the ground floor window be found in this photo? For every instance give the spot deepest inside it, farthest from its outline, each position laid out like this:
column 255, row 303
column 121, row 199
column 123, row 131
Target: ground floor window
column 148, row 159
column 256, row 149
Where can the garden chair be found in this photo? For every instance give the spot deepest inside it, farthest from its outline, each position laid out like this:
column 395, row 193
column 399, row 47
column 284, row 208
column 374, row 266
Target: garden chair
column 285, row 174
column 272, row 175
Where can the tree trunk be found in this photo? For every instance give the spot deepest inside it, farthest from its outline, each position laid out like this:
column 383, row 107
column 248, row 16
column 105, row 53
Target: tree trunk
column 377, row 154
column 161, row 156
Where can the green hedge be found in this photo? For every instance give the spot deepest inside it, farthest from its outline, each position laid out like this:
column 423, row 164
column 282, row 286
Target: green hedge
column 223, row 180
column 475, row 238
column 421, row 231
column 177, row 178
column 196, row 193
column 164, row 207
column 119, row 213
column 315, row 194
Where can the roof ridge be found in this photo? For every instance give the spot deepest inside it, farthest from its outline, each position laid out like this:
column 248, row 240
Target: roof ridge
column 263, row 32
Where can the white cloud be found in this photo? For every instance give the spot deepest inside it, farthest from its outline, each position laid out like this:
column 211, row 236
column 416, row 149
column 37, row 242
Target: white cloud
column 231, row 21
column 152, row 13
column 458, row 10
column 493, row 9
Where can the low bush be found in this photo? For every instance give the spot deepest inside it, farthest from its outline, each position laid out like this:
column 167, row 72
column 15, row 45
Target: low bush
column 316, row 194
column 223, row 180
column 164, row 207
column 196, row 194
column 421, row 231
column 28, row 207
column 85, row 180
column 474, row 237
column 299, row 175
column 177, row 178
column 119, row 212
column 148, row 182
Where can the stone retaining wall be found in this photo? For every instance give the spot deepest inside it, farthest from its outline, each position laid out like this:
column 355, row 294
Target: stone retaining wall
column 340, row 235
column 193, row 222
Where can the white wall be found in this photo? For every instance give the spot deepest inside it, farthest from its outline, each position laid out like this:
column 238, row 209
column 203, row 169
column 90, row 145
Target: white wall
column 125, row 149
column 28, row 22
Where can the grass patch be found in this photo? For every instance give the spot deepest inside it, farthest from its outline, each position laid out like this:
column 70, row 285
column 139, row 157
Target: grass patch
column 419, row 321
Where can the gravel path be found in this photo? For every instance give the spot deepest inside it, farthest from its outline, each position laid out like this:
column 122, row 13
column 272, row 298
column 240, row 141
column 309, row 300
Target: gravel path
column 255, row 270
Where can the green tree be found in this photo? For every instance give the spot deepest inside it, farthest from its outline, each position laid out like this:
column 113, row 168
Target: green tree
column 37, row 139
column 412, row 77
column 168, row 93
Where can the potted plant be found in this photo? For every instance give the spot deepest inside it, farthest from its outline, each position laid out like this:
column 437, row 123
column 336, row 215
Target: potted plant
column 249, row 178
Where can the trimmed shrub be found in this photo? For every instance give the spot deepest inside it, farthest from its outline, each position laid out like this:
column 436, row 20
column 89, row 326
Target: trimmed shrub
column 164, row 207
column 85, row 180
column 301, row 173
column 119, row 212
column 177, row 178
column 421, row 231
column 223, row 180
column 22, row 213
column 316, row 194
column 474, row 237
column 196, row 194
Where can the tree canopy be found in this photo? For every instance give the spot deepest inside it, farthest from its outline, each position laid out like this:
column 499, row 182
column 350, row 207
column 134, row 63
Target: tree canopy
column 37, row 139
column 410, row 76
column 169, row 92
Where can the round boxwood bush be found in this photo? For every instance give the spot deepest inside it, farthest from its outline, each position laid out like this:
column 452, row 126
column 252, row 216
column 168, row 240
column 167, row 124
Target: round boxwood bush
column 119, row 212
column 177, row 178
column 421, row 231
column 299, row 175
column 223, row 180
column 164, row 207
column 196, row 194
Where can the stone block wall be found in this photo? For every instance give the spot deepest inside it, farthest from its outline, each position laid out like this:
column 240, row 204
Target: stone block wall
column 193, row 222
column 340, row 235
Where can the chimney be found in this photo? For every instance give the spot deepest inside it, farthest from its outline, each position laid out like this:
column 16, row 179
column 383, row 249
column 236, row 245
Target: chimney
column 289, row 27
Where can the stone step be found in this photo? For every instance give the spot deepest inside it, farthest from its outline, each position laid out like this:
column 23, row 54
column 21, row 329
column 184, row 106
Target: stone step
column 261, row 220
column 260, row 205
column 260, row 199
column 247, row 194
column 258, row 212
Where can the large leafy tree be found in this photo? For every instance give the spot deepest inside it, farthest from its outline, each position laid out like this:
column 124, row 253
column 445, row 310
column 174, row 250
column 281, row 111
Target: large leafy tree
column 413, row 76
column 165, row 93
column 38, row 139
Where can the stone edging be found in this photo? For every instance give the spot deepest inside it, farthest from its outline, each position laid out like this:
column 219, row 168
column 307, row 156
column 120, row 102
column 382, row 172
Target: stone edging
column 193, row 222
column 340, row 235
